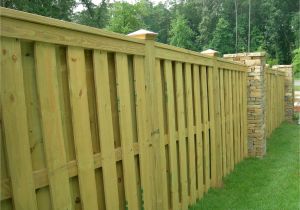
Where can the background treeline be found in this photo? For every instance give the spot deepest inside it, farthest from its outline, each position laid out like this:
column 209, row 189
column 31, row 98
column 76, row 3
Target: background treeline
column 191, row 24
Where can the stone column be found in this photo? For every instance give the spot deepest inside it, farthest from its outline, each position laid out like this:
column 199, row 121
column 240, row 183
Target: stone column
column 288, row 89
column 256, row 100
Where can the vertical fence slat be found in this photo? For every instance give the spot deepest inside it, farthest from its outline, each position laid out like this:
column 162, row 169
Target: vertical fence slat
column 105, row 124
column 199, row 146
column 81, row 127
column 161, row 191
column 231, row 122
column 142, row 124
column 47, row 85
column 191, row 131
column 206, row 127
column 239, row 97
column 181, row 135
column 171, row 134
column 234, row 116
column 15, row 125
column 34, row 120
column 245, row 112
column 227, row 120
column 223, row 128
column 211, row 105
column 216, row 134
column 126, row 129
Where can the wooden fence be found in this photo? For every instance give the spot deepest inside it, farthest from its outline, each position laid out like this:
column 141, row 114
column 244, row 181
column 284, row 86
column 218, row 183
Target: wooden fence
column 275, row 92
column 96, row 120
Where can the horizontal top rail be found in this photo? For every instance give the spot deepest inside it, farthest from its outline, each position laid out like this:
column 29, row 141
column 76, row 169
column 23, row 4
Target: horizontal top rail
column 15, row 14
column 32, row 27
column 169, row 52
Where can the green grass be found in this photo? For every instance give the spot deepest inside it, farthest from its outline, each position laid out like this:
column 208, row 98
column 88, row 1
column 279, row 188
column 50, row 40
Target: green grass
column 271, row 183
column 297, row 88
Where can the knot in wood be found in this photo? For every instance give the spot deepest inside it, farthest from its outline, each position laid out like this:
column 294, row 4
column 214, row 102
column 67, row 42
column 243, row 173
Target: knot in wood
column 14, row 57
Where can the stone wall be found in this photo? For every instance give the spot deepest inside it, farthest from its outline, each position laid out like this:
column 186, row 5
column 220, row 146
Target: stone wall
column 289, row 90
column 256, row 100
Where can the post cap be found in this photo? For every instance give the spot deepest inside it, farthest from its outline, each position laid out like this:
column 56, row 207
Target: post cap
column 210, row 52
column 143, row 34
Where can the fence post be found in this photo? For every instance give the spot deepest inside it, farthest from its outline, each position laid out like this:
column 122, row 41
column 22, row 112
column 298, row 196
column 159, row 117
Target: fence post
column 256, row 100
column 288, row 90
column 216, row 152
column 158, row 178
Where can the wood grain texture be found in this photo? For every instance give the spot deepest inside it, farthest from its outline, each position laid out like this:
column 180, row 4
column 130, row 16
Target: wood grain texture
column 171, row 131
column 81, row 127
column 204, row 99
column 101, row 75
column 15, row 125
column 47, row 85
column 181, row 135
column 190, row 128
column 126, row 129
column 144, row 136
column 198, row 121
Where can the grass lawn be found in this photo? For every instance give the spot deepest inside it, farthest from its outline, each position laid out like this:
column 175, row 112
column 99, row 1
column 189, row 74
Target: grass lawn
column 297, row 88
column 271, row 183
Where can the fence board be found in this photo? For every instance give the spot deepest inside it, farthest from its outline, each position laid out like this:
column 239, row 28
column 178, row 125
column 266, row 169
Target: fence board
column 181, row 134
column 143, row 135
column 191, row 131
column 198, row 120
column 81, row 127
column 101, row 76
column 47, row 84
column 126, row 129
column 162, row 120
column 172, row 134
column 15, row 125
column 34, row 120
column 206, row 139
column 223, row 123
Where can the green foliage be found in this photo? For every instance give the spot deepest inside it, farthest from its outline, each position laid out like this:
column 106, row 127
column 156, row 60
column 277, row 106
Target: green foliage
column 295, row 24
column 275, row 24
column 60, row 9
column 296, row 61
column 124, row 18
column 265, row 184
column 181, row 35
column 222, row 37
column 94, row 15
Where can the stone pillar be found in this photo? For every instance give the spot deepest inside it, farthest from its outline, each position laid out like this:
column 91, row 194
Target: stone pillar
column 288, row 90
column 256, row 100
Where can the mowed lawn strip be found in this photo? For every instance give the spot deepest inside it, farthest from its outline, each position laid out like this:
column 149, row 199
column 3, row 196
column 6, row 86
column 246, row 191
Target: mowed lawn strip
column 271, row 183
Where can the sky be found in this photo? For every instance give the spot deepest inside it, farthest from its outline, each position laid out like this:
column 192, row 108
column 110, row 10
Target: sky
column 80, row 7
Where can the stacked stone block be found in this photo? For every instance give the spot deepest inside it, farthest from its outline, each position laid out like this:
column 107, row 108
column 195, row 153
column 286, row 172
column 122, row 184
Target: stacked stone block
column 256, row 100
column 289, row 90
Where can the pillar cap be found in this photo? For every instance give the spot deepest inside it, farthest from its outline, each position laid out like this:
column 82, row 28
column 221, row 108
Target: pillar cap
column 252, row 54
column 143, row 34
column 210, row 52
column 282, row 66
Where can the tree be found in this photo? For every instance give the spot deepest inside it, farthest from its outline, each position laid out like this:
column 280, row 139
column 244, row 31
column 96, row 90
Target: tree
column 223, row 39
column 181, row 35
column 60, row 9
column 296, row 61
column 124, row 18
column 161, row 22
column 95, row 15
column 209, row 19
